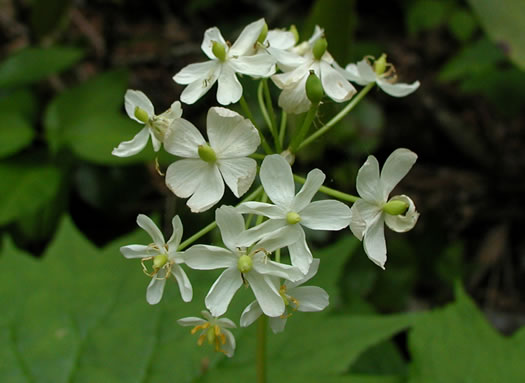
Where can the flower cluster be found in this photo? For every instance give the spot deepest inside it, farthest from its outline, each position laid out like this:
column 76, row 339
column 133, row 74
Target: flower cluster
column 272, row 255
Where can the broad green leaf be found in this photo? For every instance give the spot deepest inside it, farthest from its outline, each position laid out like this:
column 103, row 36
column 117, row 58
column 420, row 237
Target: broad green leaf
column 24, row 188
column 504, row 22
column 456, row 344
column 33, row 64
column 15, row 134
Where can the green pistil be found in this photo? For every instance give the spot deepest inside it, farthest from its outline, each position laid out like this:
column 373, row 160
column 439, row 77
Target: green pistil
column 292, row 218
column 319, row 48
column 380, row 65
column 159, row 261
column 245, row 263
column 219, row 50
column 141, row 114
column 395, row 207
column 206, row 153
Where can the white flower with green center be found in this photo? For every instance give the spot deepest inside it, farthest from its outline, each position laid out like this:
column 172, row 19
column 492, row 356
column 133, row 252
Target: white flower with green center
column 295, row 298
column 204, row 165
column 316, row 59
column 294, row 211
column 246, row 259
column 279, row 44
column 375, row 208
column 225, row 62
column 380, row 72
column 165, row 259
column 139, row 108
column 213, row 330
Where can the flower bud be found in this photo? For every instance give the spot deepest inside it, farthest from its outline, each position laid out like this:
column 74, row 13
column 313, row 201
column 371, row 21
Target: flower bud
column 206, row 153
column 264, row 33
column 295, row 32
column 292, row 218
column 314, row 88
column 395, row 207
column 380, row 65
column 219, row 50
column 141, row 114
column 245, row 263
column 319, row 48
column 159, row 261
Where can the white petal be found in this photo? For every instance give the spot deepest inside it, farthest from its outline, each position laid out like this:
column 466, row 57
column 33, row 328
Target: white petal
column 368, row 183
column 250, row 314
column 238, row 173
column 293, row 99
column 286, row 60
column 229, row 346
column 357, row 223
column 396, row 166
column 267, row 295
column 184, row 176
column 149, row 226
column 351, row 73
column 311, row 298
column 206, row 257
column 156, row 288
column 335, row 85
column 135, row 145
column 317, row 33
column 222, row 291
column 326, row 215
column 209, row 191
column 211, row 35
column 231, row 225
column 174, row 111
column 276, row 269
column 314, row 180
column 230, row 134
column 254, row 234
column 262, row 208
column 184, row 139
column 403, row 222
column 397, row 89
column 195, row 72
column 226, row 323
column 230, row 89
column 198, row 88
column 155, row 141
column 290, row 79
column 138, row 251
column 374, row 242
column 186, row 291
column 277, row 324
column 280, row 39
column 277, row 179
column 366, row 72
column 191, row 321
column 176, row 235
column 280, row 238
column 259, row 65
column 246, row 40
column 314, row 266
column 300, row 254
column 134, row 98
column 367, row 211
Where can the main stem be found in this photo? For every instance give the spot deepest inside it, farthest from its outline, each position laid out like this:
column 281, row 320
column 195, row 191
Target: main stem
column 260, row 354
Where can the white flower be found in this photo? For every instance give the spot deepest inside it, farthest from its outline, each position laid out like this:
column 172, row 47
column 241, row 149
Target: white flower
column 363, row 73
column 165, row 257
column 294, row 211
column 225, row 62
column 213, row 330
column 139, row 108
column 246, row 261
column 374, row 188
column 293, row 98
column 279, row 44
column 200, row 174
column 295, row 297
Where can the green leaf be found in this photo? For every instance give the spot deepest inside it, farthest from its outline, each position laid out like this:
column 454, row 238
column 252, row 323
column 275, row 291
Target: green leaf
column 423, row 15
column 456, row 344
column 24, row 188
column 19, row 101
column 504, row 22
column 462, row 24
column 33, row 64
column 15, row 134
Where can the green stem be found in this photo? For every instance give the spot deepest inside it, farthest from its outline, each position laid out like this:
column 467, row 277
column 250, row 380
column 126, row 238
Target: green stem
column 273, row 120
column 331, row 192
column 351, row 105
column 245, row 107
column 264, row 111
column 303, row 131
column 282, row 129
column 261, row 349
column 257, row 156
column 213, row 225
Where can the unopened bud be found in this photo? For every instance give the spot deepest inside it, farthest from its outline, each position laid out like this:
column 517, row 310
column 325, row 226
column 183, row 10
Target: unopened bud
column 295, row 32
column 264, row 33
column 159, row 261
column 319, row 48
column 292, row 218
column 206, row 153
column 245, row 263
column 395, row 207
column 219, row 50
column 314, row 88
column 141, row 114
column 380, row 65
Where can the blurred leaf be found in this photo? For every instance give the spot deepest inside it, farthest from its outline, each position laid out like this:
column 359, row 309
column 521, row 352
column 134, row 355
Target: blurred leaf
column 456, row 344
column 504, row 22
column 48, row 15
column 382, row 359
column 473, row 58
column 33, row 64
column 449, row 265
column 462, row 24
column 15, row 134
column 423, row 15
column 25, row 188
column 19, row 101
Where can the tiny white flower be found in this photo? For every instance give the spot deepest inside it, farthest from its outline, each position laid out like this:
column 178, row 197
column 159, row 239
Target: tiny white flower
column 201, row 172
column 139, row 108
column 364, row 73
column 295, row 297
column 246, row 261
column 214, row 330
column 374, row 207
column 294, row 211
column 165, row 259
column 225, row 62
column 293, row 98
